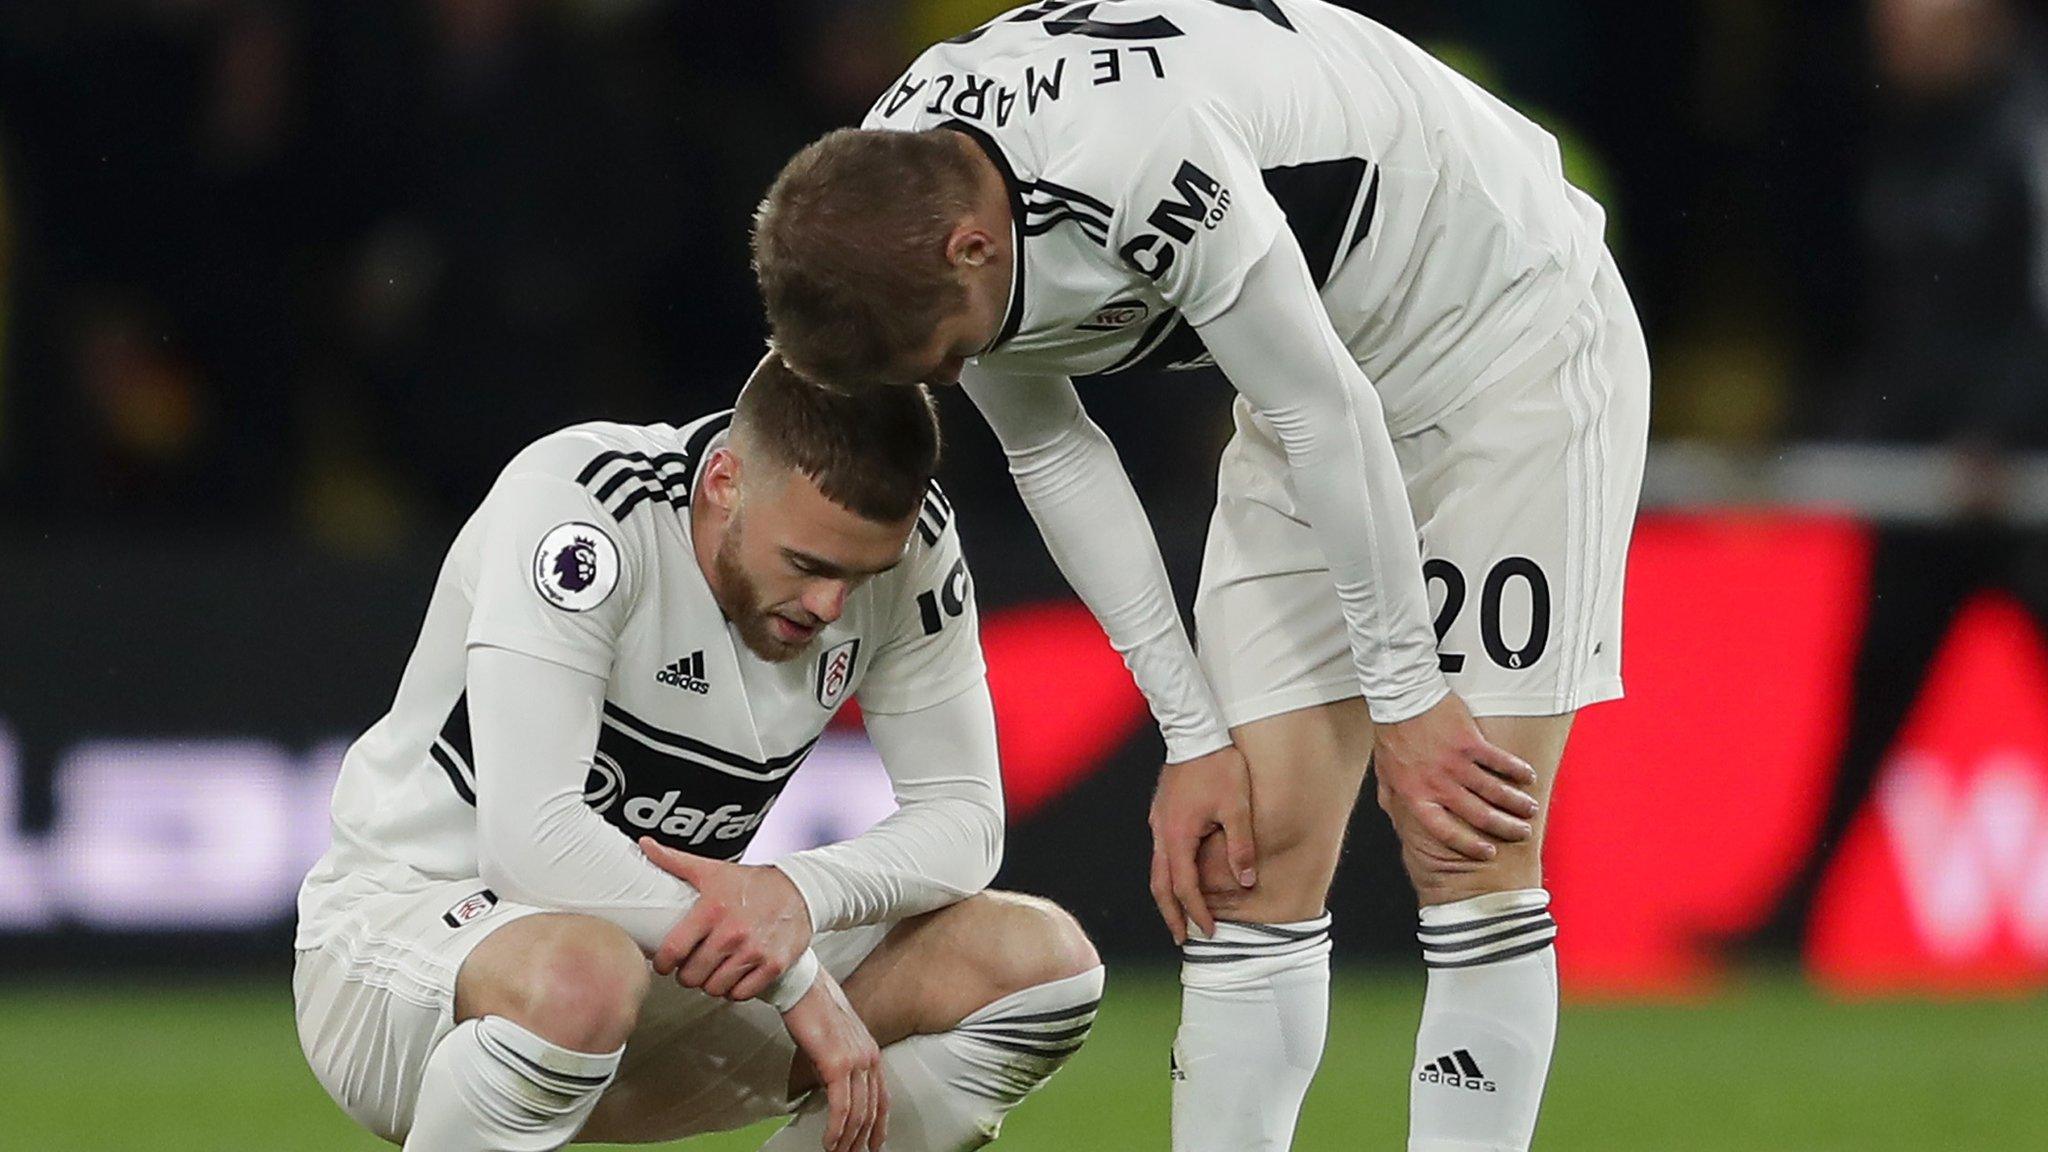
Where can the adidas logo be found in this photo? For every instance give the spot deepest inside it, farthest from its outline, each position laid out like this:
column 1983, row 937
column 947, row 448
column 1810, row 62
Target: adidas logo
column 687, row 674
column 1457, row 1070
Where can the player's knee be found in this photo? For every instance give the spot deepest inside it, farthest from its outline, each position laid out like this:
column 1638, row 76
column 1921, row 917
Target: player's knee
column 1294, row 873
column 581, row 987
column 1025, row 941
column 1444, row 879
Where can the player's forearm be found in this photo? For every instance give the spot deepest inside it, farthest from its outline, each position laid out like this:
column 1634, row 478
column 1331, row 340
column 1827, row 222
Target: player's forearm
column 945, row 840
column 564, row 858
column 532, row 725
column 1277, row 347
column 1078, row 493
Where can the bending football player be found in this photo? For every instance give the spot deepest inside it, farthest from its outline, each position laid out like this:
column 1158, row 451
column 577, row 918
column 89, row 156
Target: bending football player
column 1442, row 386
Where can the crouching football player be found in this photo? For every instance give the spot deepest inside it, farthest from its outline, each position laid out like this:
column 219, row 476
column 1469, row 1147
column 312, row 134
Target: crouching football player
column 638, row 637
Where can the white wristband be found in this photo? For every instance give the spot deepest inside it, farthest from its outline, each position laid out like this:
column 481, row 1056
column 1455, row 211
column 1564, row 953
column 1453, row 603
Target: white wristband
column 791, row 986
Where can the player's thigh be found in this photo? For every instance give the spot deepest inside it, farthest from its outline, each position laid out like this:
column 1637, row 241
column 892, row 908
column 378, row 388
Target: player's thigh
column 378, row 994
column 1274, row 647
column 697, row 1064
column 1524, row 499
column 1269, row 631
column 933, row 971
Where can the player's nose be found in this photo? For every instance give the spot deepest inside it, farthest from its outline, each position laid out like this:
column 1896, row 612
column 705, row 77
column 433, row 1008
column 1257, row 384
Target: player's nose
column 826, row 599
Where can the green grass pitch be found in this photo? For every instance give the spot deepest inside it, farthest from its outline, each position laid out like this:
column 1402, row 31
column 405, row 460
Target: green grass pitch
column 1766, row 1067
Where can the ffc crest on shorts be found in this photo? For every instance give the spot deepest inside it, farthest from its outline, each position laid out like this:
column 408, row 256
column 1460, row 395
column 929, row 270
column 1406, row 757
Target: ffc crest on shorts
column 835, row 672
column 470, row 908
column 576, row 566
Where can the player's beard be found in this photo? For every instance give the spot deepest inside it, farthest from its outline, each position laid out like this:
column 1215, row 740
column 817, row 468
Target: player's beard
column 741, row 600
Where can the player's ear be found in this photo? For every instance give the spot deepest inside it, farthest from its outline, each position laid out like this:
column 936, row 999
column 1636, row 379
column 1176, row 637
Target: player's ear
column 970, row 245
column 720, row 484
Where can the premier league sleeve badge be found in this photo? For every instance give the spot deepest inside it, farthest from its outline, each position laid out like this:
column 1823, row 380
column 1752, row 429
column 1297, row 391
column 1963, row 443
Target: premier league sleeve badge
column 576, row 566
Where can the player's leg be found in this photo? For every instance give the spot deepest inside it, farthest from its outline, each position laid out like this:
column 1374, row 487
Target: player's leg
column 544, row 1003
column 1255, row 996
column 976, row 1005
column 543, row 1007
column 1526, row 503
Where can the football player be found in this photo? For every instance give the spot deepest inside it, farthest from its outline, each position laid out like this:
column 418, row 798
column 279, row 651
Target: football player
column 1416, row 554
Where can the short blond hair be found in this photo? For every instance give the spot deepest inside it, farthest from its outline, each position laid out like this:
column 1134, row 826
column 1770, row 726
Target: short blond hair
column 850, row 250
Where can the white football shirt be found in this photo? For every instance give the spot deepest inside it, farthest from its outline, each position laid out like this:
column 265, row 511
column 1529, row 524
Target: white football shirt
column 1154, row 147
column 581, row 555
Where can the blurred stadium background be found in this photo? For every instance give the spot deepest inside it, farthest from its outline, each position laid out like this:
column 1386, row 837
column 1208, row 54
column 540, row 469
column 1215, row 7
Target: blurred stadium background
column 283, row 282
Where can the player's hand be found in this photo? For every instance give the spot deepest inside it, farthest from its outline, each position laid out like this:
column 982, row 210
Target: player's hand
column 848, row 1065
column 1451, row 792
column 748, row 926
column 1195, row 798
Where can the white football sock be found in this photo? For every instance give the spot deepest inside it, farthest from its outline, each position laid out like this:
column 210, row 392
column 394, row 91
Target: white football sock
column 1488, row 1022
column 1254, row 1009
column 949, row 1092
column 492, row 1086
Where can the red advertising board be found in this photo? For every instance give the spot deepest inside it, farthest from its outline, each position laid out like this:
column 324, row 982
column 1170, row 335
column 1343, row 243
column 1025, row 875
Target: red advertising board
column 1682, row 811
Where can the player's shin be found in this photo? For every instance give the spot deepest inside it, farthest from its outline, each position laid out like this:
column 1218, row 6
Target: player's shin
column 949, row 1092
column 493, row 1086
column 1488, row 1022
column 1255, row 1006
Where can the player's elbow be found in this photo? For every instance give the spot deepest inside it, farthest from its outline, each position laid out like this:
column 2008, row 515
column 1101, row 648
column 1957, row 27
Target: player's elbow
column 505, row 870
column 985, row 831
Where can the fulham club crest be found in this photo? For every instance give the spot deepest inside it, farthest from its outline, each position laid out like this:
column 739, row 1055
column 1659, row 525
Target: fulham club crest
column 835, row 672
column 471, row 908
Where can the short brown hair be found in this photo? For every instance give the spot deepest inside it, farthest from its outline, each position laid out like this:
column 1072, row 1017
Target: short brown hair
column 850, row 249
column 872, row 452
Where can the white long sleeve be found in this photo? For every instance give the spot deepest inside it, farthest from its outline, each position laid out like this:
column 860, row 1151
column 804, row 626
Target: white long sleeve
column 1079, row 494
column 533, row 725
column 945, row 839
column 1275, row 343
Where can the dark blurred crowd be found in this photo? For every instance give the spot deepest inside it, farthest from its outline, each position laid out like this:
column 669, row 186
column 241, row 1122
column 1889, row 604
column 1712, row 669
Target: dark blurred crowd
column 321, row 265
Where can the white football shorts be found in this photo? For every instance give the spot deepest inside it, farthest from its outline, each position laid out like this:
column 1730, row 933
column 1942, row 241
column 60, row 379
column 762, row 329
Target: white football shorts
column 1524, row 498
column 379, row 993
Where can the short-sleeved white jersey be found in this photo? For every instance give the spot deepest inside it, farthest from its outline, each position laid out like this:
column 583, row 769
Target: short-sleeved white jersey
column 1153, row 148
column 581, row 554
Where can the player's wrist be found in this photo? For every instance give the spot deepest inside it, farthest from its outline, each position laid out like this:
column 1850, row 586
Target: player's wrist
column 803, row 898
column 786, row 990
column 814, row 886
column 1183, row 747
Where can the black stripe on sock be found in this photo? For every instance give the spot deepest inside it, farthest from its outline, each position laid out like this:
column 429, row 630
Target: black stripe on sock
column 1466, row 1062
column 1318, row 927
column 1062, row 1014
column 1504, row 954
column 1258, row 947
column 1227, row 957
column 542, row 1071
column 1059, row 1053
column 1488, row 922
column 1544, row 925
column 1024, row 1034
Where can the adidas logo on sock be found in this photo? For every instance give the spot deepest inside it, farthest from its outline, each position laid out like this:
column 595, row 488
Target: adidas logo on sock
column 687, row 674
column 1457, row 1070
